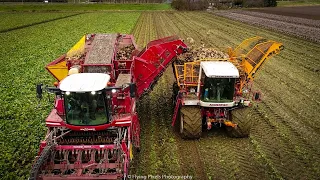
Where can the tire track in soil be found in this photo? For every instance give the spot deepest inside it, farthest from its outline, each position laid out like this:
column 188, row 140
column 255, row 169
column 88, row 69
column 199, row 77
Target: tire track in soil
column 277, row 151
column 309, row 134
column 295, row 136
column 309, row 131
column 303, row 151
column 309, row 118
column 171, row 158
column 228, row 158
column 189, row 157
column 159, row 155
column 271, row 150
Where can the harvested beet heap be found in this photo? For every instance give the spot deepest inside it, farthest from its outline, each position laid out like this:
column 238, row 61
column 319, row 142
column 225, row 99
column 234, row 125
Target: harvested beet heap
column 125, row 52
column 199, row 53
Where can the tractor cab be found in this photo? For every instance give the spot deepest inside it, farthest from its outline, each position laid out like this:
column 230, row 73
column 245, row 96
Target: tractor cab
column 84, row 98
column 218, row 79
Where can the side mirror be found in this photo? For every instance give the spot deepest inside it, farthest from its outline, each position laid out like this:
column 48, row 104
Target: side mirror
column 39, row 91
column 133, row 88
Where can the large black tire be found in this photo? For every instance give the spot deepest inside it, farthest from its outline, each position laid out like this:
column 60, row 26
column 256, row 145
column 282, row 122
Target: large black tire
column 244, row 118
column 190, row 122
column 36, row 168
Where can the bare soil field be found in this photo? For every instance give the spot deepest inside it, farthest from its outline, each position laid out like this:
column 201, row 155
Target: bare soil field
column 300, row 27
column 284, row 143
column 308, row 12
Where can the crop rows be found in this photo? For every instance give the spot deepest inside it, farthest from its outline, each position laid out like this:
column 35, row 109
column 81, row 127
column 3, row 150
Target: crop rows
column 284, row 143
column 304, row 28
column 289, row 19
column 24, row 54
column 285, row 138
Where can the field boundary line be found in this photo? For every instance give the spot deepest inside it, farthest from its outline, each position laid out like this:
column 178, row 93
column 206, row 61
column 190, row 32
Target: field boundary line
column 37, row 23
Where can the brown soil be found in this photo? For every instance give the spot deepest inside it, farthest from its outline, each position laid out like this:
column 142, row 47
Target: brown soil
column 284, row 144
column 309, row 12
column 300, row 27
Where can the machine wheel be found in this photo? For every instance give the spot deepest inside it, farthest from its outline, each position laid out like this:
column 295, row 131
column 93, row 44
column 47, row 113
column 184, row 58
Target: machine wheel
column 43, row 158
column 190, row 122
column 244, row 118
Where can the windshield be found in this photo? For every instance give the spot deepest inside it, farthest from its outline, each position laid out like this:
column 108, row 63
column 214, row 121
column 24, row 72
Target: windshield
column 85, row 109
column 218, row 89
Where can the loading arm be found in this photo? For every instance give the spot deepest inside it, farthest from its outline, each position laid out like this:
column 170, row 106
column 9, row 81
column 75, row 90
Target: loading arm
column 151, row 62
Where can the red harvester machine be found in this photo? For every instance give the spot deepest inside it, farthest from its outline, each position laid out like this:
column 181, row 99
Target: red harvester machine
column 94, row 127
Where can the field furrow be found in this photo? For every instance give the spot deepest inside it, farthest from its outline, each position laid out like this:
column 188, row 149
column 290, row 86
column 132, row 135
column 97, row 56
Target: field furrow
column 284, row 142
column 303, row 31
column 286, row 135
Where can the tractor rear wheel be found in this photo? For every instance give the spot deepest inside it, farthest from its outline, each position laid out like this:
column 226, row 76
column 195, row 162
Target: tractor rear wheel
column 190, row 122
column 244, row 118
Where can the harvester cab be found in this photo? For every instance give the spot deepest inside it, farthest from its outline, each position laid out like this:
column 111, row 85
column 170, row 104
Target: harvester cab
column 85, row 101
column 218, row 79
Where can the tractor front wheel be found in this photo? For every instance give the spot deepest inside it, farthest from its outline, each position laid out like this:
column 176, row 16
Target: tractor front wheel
column 190, row 122
column 244, row 118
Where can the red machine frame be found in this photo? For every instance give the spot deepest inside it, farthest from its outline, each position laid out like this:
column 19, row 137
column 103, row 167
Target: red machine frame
column 143, row 67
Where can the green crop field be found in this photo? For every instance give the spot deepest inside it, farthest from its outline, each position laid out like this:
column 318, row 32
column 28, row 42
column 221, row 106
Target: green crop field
column 284, row 143
column 10, row 21
column 82, row 7
column 25, row 52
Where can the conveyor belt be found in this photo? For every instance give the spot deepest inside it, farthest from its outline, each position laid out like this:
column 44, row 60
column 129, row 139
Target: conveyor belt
column 123, row 79
column 102, row 50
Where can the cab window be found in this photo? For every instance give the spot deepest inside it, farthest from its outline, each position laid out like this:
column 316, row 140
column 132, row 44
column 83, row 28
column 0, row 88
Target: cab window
column 85, row 108
column 218, row 89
